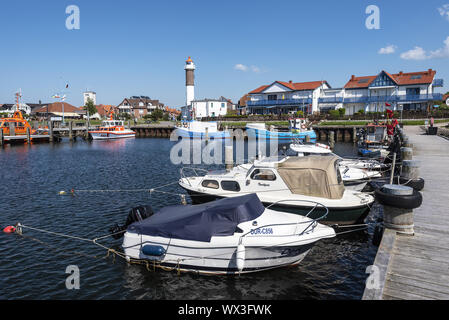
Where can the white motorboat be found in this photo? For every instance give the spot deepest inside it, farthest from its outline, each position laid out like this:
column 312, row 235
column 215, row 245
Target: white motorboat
column 112, row 129
column 227, row 236
column 312, row 178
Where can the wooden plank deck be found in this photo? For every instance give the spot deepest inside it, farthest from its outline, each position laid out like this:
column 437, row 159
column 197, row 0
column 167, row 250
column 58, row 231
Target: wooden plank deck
column 419, row 264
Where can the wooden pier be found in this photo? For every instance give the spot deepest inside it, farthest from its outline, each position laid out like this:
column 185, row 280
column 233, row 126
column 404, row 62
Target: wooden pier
column 417, row 267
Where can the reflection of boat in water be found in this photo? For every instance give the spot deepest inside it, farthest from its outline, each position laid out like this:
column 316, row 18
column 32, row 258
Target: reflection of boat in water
column 297, row 130
column 227, row 236
column 112, row 129
column 301, row 180
column 194, row 129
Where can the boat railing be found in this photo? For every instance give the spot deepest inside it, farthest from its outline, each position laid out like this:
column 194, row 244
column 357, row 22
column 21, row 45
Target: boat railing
column 312, row 223
column 194, row 170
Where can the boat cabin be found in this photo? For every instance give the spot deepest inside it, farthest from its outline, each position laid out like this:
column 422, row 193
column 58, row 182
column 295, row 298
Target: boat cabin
column 376, row 133
column 19, row 123
column 297, row 124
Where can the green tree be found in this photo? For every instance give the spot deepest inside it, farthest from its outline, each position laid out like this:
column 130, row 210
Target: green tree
column 299, row 114
column 90, row 107
column 342, row 112
column 157, row 114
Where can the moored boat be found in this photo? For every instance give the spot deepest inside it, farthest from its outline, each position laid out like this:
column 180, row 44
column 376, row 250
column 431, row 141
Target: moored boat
column 112, row 129
column 312, row 178
column 194, row 129
column 297, row 130
column 227, row 236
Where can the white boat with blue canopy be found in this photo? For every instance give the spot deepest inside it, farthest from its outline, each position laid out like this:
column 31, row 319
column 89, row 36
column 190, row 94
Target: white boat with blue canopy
column 227, row 236
column 297, row 130
column 194, row 129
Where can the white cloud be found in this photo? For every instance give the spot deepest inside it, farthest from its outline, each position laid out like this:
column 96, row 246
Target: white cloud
column 388, row 49
column 416, row 53
column 444, row 11
column 240, row 67
column 419, row 53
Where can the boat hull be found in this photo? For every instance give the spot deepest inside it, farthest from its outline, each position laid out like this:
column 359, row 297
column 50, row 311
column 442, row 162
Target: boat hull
column 340, row 216
column 202, row 135
column 206, row 259
column 111, row 135
column 281, row 136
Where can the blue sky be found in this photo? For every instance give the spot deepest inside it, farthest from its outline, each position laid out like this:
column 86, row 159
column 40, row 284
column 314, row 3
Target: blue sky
column 126, row 48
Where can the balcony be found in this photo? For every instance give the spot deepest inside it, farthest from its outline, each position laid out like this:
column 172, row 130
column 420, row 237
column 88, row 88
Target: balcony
column 438, row 83
column 331, row 100
column 280, row 102
column 401, row 98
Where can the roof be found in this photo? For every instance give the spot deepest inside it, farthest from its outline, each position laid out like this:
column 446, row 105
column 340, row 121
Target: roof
column 401, row 79
column 173, row 110
column 294, row 86
column 200, row 222
column 134, row 102
column 243, row 100
column 103, row 110
column 57, row 107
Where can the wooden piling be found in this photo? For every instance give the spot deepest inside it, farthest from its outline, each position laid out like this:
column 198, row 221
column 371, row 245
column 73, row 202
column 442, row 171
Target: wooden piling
column 71, row 130
column 28, row 135
column 2, row 139
column 229, row 157
column 50, row 131
column 332, row 139
column 354, row 135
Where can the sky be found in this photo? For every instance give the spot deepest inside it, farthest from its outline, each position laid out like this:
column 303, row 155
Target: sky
column 126, row 48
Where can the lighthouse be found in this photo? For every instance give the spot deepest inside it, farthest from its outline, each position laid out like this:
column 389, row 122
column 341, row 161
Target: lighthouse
column 190, row 81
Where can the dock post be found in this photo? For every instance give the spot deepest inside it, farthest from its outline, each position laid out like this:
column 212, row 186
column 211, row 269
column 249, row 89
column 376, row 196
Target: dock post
column 12, row 129
column 410, row 170
column 331, row 139
column 2, row 139
column 87, row 127
column 28, row 135
column 207, row 134
column 71, row 130
column 399, row 216
column 229, row 158
column 354, row 135
column 406, row 153
column 50, row 130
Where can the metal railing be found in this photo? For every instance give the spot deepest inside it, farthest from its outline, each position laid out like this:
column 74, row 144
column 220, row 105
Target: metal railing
column 279, row 102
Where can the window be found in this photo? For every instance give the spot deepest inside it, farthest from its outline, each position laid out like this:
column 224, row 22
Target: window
column 213, row 184
column 272, row 97
column 382, row 80
column 363, row 81
column 412, row 91
column 222, row 105
column 263, row 174
column 230, row 186
column 415, row 77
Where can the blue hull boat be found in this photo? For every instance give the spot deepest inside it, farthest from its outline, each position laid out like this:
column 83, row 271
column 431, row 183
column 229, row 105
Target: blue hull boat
column 281, row 136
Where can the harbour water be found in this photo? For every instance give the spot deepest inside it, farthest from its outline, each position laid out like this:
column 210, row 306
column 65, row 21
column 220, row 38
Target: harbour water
column 33, row 266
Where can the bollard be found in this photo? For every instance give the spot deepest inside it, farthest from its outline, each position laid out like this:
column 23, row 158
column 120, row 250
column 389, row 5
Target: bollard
column 406, row 153
column 398, row 204
column 28, row 135
column 207, row 134
column 50, row 130
column 410, row 169
column 229, row 158
column 2, row 139
column 71, row 130
column 331, row 139
column 407, row 144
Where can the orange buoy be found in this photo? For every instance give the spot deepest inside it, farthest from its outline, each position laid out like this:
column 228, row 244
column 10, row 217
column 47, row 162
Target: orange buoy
column 9, row 229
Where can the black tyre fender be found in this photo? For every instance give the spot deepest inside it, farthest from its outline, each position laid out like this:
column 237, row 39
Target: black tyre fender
column 417, row 184
column 399, row 201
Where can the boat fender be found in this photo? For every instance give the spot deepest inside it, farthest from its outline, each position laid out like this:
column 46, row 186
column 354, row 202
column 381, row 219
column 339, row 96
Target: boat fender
column 417, row 184
column 411, row 201
column 240, row 255
column 9, row 229
column 151, row 250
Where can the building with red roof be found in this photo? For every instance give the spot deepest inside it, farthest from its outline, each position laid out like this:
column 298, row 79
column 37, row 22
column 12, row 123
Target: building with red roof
column 370, row 93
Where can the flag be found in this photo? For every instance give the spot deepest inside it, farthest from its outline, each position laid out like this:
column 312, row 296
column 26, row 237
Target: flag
column 387, row 104
column 55, row 96
column 63, row 98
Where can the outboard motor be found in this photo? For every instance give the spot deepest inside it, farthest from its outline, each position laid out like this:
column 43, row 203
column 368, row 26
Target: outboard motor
column 136, row 214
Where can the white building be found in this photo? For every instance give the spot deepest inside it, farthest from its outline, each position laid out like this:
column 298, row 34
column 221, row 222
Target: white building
column 283, row 97
column 208, row 108
column 90, row 95
column 402, row 91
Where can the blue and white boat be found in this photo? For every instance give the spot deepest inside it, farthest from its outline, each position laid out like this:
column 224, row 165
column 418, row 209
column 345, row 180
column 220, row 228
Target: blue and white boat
column 194, row 129
column 297, row 131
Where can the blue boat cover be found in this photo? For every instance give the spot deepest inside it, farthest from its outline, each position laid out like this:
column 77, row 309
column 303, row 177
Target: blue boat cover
column 200, row 222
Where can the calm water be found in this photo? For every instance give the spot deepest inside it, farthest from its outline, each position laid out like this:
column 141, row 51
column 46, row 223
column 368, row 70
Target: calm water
column 33, row 266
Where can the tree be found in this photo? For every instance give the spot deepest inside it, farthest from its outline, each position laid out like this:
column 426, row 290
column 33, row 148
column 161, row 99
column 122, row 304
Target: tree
column 342, row 111
column 157, row 114
column 90, row 107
